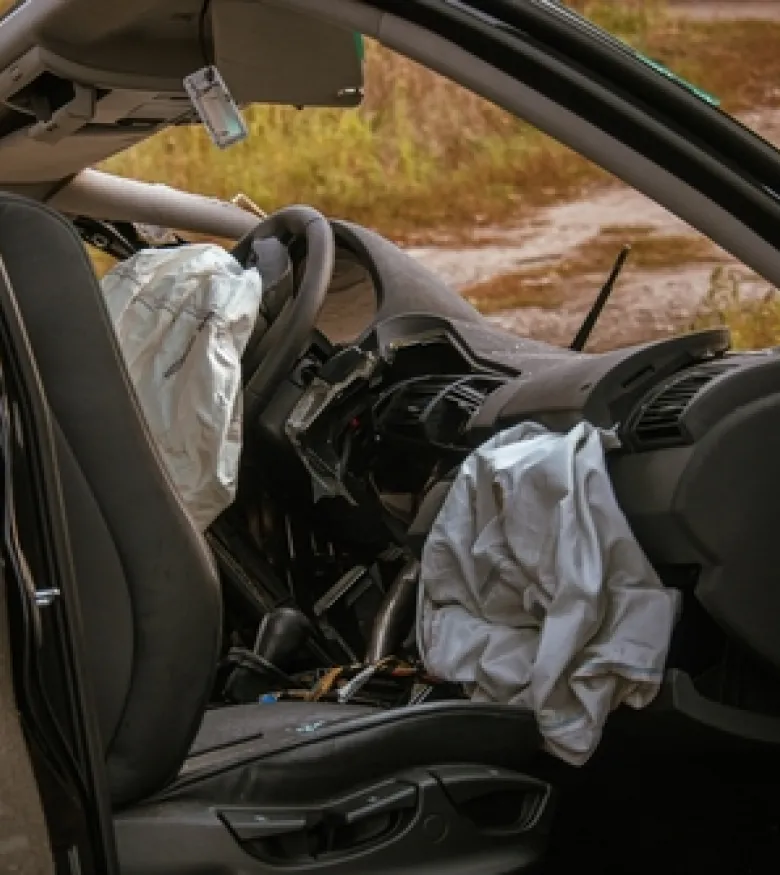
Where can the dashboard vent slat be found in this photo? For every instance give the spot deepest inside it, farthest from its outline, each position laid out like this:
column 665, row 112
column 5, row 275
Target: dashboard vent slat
column 432, row 411
column 659, row 421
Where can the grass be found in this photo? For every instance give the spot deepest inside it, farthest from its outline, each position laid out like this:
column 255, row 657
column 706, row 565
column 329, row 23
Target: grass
column 754, row 320
column 710, row 54
column 548, row 286
column 423, row 153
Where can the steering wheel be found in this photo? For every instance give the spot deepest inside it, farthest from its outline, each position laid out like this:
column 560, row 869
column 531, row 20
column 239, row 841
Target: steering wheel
column 285, row 341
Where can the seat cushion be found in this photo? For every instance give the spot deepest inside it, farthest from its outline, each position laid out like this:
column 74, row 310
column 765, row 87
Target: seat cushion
column 284, row 752
column 241, row 724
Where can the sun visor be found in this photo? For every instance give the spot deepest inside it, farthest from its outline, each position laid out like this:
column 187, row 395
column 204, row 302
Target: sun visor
column 84, row 79
column 269, row 54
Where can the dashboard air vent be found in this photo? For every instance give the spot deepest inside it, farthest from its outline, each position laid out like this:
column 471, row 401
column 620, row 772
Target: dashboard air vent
column 432, row 411
column 659, row 420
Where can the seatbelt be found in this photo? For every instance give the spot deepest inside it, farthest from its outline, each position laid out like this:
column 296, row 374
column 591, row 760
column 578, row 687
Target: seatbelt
column 120, row 240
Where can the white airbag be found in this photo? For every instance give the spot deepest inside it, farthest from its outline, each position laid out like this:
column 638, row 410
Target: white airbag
column 534, row 592
column 183, row 317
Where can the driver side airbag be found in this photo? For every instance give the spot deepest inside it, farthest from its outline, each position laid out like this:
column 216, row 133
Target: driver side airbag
column 183, row 318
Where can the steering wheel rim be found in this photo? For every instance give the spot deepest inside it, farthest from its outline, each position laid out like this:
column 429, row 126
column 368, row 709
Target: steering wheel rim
column 286, row 339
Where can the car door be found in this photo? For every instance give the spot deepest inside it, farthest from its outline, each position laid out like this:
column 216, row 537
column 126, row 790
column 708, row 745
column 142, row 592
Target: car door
column 43, row 679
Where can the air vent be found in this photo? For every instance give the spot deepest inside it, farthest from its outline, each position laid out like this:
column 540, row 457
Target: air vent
column 433, row 410
column 659, row 421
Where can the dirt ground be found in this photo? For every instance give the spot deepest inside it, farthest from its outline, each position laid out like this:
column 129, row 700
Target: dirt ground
column 645, row 303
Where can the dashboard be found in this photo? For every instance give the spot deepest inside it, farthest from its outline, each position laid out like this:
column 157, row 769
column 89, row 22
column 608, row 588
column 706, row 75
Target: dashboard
column 410, row 379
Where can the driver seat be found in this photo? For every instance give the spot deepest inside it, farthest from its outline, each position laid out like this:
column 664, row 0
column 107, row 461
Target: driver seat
column 247, row 789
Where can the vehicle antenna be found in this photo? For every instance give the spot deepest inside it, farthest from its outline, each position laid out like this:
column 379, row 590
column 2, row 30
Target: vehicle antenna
column 578, row 344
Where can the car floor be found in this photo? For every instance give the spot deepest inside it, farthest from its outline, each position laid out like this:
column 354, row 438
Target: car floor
column 646, row 816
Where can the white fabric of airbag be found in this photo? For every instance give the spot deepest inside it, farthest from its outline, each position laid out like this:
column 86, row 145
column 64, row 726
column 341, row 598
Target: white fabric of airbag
column 183, row 317
column 534, row 592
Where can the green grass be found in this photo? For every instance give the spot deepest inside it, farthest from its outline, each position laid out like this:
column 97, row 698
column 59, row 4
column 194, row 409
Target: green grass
column 754, row 321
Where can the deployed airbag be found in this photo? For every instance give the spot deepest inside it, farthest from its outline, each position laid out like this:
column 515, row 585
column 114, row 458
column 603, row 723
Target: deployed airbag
column 183, row 317
column 534, row 592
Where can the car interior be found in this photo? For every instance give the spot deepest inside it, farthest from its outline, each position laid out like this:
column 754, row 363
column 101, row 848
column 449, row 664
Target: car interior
column 296, row 784
column 252, row 785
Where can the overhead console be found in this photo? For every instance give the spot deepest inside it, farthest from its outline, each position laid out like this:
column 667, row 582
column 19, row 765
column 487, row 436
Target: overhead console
column 58, row 117
column 85, row 79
